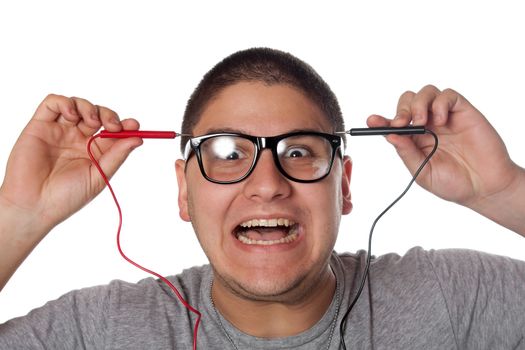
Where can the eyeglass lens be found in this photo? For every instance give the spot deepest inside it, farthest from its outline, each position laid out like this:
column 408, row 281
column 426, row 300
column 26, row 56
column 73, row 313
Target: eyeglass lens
column 229, row 158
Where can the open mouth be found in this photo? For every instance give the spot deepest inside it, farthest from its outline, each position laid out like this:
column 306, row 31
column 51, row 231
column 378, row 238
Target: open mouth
column 267, row 231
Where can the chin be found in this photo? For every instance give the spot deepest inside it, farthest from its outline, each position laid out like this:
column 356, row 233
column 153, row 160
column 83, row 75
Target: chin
column 264, row 286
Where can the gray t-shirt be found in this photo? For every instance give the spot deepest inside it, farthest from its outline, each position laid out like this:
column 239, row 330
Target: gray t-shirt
column 445, row 299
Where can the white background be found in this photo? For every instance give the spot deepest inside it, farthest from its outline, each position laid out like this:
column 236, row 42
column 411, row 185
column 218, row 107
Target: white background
column 143, row 59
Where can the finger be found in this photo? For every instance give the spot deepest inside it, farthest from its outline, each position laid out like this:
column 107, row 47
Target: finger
column 103, row 145
column 88, row 112
column 130, row 124
column 403, row 112
column 55, row 106
column 110, row 119
column 127, row 124
column 422, row 104
column 449, row 101
column 377, row 121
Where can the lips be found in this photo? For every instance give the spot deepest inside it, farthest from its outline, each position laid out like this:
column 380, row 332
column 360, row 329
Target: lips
column 267, row 231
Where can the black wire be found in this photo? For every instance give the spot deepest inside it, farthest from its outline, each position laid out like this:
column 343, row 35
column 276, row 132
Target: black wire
column 342, row 325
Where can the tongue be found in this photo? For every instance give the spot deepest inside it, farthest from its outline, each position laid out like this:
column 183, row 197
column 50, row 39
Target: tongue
column 266, row 233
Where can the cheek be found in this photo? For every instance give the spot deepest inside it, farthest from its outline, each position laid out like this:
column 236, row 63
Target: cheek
column 327, row 194
column 328, row 204
column 324, row 201
column 208, row 204
column 205, row 199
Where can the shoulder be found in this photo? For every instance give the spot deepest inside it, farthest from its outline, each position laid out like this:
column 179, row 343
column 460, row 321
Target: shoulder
column 480, row 294
column 150, row 306
column 188, row 283
column 462, row 276
column 108, row 316
column 452, row 269
column 123, row 297
column 443, row 259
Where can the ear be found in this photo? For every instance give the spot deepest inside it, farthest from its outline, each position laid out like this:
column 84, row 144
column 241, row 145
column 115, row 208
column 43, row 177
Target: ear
column 345, row 185
column 180, row 166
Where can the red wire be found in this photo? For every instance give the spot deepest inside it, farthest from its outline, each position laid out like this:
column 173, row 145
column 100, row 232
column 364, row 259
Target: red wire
column 162, row 278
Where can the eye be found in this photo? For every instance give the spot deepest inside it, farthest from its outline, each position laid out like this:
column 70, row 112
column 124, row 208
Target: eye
column 226, row 148
column 232, row 156
column 297, row 152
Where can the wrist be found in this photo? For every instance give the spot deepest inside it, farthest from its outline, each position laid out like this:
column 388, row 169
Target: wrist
column 20, row 223
column 507, row 206
column 18, row 236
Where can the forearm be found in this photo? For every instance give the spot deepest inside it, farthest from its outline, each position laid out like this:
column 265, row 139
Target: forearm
column 18, row 236
column 507, row 207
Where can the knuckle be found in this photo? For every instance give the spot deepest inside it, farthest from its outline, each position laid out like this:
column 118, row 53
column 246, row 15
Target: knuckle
column 57, row 101
column 84, row 104
column 403, row 105
column 54, row 97
column 77, row 100
column 407, row 94
column 108, row 113
column 449, row 91
column 430, row 87
column 403, row 112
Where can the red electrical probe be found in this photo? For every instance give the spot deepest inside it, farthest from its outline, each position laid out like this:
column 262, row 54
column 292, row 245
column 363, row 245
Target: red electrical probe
column 138, row 133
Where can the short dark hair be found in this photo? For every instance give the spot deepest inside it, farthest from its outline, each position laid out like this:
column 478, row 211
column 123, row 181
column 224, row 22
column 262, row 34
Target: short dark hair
column 265, row 65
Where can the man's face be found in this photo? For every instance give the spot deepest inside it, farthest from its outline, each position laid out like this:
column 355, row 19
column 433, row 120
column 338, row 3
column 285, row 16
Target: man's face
column 277, row 271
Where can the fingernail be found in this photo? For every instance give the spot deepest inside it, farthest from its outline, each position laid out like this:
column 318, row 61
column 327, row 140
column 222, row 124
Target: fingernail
column 114, row 120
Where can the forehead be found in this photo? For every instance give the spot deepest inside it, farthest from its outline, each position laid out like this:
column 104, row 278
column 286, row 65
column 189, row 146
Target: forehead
column 256, row 108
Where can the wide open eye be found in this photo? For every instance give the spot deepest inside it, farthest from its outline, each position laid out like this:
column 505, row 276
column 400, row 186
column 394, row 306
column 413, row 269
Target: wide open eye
column 296, row 152
column 301, row 146
column 304, row 156
column 227, row 157
column 227, row 148
column 233, row 155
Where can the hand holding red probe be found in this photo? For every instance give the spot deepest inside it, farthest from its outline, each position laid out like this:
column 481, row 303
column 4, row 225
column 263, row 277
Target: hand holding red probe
column 49, row 175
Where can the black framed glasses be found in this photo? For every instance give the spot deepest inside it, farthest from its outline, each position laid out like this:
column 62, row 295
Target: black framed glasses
column 226, row 158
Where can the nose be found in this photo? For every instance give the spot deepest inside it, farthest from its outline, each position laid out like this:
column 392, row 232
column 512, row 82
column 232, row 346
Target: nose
column 266, row 183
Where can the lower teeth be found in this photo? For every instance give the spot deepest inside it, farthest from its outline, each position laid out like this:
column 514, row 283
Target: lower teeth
column 288, row 239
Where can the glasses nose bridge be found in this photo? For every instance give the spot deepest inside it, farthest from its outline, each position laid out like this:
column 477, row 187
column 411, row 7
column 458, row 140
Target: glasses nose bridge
column 269, row 143
column 263, row 143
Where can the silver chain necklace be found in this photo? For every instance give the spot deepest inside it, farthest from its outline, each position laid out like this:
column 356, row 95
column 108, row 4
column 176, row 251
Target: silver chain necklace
column 332, row 325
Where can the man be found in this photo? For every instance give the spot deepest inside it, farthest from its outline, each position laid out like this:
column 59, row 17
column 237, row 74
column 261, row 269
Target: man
column 268, row 219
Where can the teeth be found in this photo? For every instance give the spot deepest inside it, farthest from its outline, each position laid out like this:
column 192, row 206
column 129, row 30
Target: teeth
column 267, row 223
column 292, row 236
column 288, row 239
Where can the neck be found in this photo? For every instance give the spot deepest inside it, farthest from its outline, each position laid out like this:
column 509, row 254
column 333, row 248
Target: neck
column 269, row 319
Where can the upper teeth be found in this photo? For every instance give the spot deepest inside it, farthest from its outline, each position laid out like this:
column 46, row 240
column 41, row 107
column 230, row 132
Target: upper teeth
column 267, row 223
